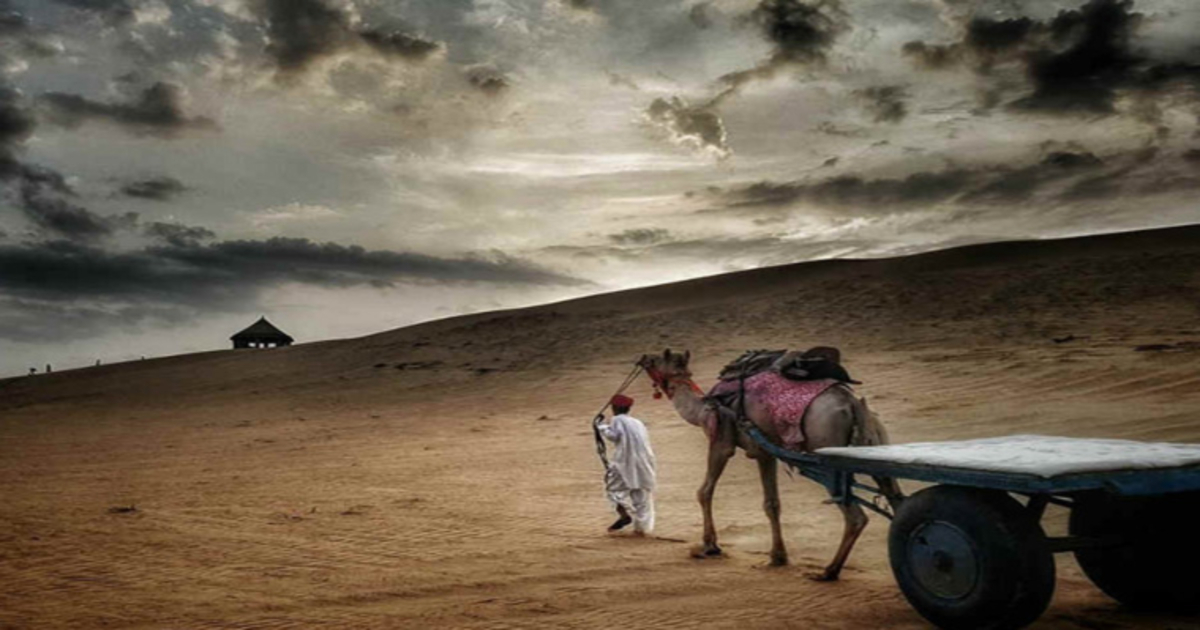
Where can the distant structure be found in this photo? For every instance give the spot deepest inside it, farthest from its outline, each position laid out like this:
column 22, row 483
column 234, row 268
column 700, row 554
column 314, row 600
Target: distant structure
column 262, row 334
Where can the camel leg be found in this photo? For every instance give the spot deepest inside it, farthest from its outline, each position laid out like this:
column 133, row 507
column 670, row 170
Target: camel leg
column 856, row 522
column 719, row 452
column 768, row 469
column 891, row 491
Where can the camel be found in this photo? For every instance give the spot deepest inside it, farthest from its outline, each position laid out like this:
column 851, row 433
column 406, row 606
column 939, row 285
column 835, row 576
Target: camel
column 834, row 418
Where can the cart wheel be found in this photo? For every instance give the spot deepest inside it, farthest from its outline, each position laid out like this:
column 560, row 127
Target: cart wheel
column 1151, row 566
column 969, row 558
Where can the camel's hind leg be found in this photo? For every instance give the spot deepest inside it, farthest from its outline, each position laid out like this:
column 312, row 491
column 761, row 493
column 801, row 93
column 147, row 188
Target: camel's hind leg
column 856, row 522
column 890, row 489
column 768, row 469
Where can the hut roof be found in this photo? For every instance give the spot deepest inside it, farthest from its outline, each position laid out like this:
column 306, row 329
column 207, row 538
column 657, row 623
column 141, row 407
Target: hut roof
column 263, row 329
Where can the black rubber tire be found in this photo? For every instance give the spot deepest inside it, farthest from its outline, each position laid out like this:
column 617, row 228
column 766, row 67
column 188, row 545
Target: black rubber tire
column 1155, row 567
column 967, row 558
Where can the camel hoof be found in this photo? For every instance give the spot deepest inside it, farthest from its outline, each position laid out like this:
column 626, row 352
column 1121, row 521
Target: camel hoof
column 779, row 561
column 823, row 576
column 701, row 552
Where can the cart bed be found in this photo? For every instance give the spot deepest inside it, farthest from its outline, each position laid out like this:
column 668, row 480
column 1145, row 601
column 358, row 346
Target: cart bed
column 1027, row 464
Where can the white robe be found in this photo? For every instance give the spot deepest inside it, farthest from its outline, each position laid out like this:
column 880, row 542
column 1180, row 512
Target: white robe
column 632, row 456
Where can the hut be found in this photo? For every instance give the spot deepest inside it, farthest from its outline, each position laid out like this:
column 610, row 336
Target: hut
column 261, row 334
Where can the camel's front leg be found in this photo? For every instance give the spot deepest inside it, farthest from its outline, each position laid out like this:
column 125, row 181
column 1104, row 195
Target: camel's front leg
column 768, row 469
column 719, row 452
column 856, row 522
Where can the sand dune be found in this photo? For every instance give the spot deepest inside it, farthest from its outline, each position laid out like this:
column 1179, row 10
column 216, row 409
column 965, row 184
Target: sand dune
column 443, row 474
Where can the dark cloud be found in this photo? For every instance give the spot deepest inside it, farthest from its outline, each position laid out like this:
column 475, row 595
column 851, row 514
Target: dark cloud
column 16, row 125
column 53, row 321
column 932, row 56
column 329, row 263
column 158, row 111
column 1088, row 58
column 114, row 11
column 801, row 32
column 301, row 32
column 989, row 39
column 734, row 252
column 985, row 42
column 42, row 194
column 699, row 16
column 1071, row 160
column 1078, row 62
column 1093, row 188
column 830, row 129
column 1012, row 185
column 155, row 188
column 45, row 286
column 487, row 79
column 640, row 236
column 185, row 272
column 885, row 103
column 1056, row 171
column 1192, row 156
column 60, row 218
column 582, row 5
column 854, row 191
column 37, row 46
column 11, row 22
column 399, row 44
column 178, row 234
column 700, row 127
column 43, row 179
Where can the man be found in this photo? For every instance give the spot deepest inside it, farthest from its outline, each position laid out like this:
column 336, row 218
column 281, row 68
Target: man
column 629, row 480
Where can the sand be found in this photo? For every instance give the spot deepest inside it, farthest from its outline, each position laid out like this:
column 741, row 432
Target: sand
column 444, row 475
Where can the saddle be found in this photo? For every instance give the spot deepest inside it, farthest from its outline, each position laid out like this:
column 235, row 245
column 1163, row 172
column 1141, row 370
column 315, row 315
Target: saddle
column 814, row 364
column 751, row 362
column 783, row 383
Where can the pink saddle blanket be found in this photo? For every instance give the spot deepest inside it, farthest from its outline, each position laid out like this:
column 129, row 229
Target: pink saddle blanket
column 784, row 400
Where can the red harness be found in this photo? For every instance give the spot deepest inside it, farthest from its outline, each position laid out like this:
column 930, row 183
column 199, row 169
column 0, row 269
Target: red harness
column 666, row 384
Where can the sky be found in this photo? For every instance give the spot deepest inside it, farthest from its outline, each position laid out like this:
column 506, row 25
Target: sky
column 170, row 170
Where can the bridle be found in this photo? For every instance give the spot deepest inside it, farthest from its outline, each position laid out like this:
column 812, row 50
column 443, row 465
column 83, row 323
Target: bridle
column 666, row 384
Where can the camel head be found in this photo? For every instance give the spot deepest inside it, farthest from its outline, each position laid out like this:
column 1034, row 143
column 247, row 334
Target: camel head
column 666, row 367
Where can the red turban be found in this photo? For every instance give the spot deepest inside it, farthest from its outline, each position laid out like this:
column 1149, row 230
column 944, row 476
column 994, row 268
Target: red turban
column 620, row 400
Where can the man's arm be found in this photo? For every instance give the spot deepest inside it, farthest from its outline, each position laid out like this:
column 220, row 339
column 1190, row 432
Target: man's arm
column 611, row 431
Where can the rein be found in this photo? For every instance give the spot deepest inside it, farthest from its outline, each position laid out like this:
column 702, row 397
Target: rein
column 601, row 448
column 662, row 384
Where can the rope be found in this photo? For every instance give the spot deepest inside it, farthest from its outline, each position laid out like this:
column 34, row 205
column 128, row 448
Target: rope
column 601, row 448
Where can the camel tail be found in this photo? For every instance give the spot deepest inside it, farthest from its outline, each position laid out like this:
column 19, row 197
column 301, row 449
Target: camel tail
column 868, row 429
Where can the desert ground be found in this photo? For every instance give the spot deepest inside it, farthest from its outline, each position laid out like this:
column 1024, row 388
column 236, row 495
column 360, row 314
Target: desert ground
column 444, row 475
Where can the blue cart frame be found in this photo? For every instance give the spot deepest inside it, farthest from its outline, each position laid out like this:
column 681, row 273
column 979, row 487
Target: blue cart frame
column 1130, row 530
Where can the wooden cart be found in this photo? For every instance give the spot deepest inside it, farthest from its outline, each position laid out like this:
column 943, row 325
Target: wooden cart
column 968, row 554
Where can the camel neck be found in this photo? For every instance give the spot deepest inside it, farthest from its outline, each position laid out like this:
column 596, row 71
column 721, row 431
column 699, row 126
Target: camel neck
column 688, row 400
